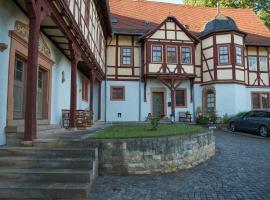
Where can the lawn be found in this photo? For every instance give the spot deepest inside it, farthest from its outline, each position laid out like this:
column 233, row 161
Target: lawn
column 145, row 130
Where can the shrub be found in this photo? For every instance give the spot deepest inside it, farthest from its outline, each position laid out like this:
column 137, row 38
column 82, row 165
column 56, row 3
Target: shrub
column 212, row 115
column 155, row 122
column 202, row 120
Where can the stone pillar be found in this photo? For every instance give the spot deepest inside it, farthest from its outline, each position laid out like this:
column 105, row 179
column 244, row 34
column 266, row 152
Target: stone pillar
column 73, row 88
column 36, row 11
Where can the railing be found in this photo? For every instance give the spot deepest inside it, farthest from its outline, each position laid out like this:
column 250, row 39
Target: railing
column 83, row 118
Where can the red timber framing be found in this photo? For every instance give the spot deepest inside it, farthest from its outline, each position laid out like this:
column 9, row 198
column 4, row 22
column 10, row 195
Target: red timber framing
column 37, row 10
column 78, row 50
column 172, row 83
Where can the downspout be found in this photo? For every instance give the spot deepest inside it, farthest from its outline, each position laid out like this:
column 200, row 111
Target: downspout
column 194, row 108
column 140, row 83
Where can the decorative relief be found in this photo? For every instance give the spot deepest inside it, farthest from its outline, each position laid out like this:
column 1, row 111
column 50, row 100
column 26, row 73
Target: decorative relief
column 23, row 31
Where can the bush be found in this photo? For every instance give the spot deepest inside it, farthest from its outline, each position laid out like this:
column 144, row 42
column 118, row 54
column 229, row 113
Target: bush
column 155, row 122
column 212, row 115
column 202, row 120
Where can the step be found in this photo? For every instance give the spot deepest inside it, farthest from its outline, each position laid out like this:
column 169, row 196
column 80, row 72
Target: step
column 45, row 175
column 54, row 143
column 48, row 191
column 46, row 163
column 49, row 152
column 40, row 127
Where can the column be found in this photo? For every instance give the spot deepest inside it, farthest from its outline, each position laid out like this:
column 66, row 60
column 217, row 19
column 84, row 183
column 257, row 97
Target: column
column 73, row 88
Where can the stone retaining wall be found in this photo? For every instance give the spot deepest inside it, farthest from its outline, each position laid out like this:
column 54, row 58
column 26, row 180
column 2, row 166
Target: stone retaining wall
column 153, row 155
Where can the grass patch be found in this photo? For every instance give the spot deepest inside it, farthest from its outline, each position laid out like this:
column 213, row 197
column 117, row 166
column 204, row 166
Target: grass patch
column 145, row 130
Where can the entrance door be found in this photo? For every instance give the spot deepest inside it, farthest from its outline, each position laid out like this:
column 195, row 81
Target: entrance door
column 40, row 94
column 158, row 103
column 18, row 89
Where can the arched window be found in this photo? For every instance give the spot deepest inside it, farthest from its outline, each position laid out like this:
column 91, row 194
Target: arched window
column 210, row 100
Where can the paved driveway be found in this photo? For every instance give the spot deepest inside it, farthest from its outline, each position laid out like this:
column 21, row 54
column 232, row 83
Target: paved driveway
column 239, row 170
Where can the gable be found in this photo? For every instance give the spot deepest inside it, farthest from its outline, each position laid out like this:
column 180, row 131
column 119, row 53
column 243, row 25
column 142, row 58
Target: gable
column 170, row 29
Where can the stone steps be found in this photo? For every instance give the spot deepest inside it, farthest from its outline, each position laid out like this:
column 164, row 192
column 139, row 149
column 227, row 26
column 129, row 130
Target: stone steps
column 48, row 143
column 47, row 173
column 46, row 163
column 48, row 191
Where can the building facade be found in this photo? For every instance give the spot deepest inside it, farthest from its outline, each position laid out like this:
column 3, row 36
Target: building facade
column 166, row 59
column 125, row 60
column 52, row 55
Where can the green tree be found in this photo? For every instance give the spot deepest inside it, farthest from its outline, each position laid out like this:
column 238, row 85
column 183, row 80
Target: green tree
column 261, row 7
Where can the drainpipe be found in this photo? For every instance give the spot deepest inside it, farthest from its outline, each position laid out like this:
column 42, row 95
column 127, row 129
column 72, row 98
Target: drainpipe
column 193, row 97
column 140, row 83
column 105, row 90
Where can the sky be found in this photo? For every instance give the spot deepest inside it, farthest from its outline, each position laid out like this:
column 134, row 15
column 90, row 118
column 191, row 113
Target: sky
column 169, row 1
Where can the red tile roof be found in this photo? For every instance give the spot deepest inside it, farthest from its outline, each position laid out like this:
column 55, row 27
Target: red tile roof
column 131, row 15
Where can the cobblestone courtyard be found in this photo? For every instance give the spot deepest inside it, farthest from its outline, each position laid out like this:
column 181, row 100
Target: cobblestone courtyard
column 239, row 170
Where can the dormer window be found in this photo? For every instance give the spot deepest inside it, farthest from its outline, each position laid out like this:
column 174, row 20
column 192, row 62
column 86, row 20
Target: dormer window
column 156, row 53
column 223, row 55
column 185, row 55
column 171, row 55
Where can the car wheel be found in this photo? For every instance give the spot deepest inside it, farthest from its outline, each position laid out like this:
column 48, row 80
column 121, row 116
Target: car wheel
column 263, row 130
column 233, row 127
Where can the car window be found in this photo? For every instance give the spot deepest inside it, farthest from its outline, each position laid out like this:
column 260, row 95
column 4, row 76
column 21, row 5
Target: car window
column 250, row 114
column 260, row 114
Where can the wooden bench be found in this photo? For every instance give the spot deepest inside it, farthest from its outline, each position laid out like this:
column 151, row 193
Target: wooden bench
column 185, row 116
column 83, row 118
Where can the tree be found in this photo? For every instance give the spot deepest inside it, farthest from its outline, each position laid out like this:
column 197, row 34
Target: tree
column 260, row 7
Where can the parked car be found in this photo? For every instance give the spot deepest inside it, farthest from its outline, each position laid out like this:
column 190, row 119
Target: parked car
column 253, row 121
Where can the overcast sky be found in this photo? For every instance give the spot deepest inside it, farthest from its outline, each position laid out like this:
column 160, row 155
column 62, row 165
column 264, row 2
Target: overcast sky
column 169, row 1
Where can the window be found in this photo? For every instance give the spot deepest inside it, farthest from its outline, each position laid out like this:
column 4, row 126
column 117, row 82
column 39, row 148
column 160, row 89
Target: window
column 223, row 55
column 118, row 93
column 126, row 56
column 252, row 63
column 239, row 56
column 210, row 100
column 84, row 90
column 263, row 64
column 171, row 55
column 180, row 98
column 186, row 55
column 156, row 53
column 260, row 100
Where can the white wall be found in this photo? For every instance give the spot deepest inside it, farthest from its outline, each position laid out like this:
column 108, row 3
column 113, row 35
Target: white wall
column 130, row 107
column 7, row 22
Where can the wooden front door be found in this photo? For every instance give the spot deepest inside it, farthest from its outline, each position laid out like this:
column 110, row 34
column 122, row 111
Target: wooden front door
column 18, row 89
column 158, row 103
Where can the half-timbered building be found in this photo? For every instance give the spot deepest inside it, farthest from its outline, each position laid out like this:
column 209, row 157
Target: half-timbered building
column 52, row 56
column 125, row 60
column 168, row 59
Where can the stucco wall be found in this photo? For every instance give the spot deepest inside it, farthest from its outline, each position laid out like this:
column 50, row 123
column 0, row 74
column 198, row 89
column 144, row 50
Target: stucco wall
column 130, row 107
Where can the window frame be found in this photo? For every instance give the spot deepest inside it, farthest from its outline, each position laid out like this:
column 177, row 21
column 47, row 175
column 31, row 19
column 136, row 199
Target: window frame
column 236, row 55
column 156, row 45
column 190, row 48
column 229, row 58
column 112, row 98
column 122, row 56
column 259, row 64
column 85, row 89
column 252, row 56
column 176, row 54
column 260, row 100
column 206, row 100
column 185, row 98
